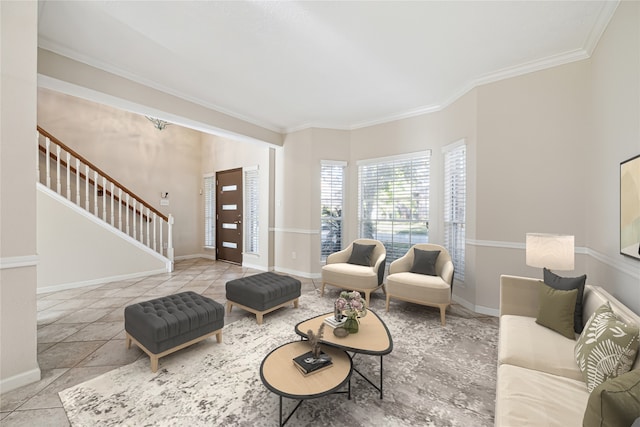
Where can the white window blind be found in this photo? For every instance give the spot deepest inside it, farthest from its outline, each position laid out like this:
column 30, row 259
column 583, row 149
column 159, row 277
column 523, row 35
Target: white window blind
column 394, row 201
column 209, row 211
column 251, row 191
column 331, row 201
column 455, row 195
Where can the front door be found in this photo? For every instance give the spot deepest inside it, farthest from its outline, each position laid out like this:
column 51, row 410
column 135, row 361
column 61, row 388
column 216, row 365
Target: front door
column 229, row 216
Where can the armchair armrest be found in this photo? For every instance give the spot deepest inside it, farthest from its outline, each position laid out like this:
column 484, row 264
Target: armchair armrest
column 401, row 264
column 340, row 256
column 379, row 267
column 447, row 272
column 519, row 296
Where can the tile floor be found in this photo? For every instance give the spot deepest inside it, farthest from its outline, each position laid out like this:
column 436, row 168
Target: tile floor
column 81, row 333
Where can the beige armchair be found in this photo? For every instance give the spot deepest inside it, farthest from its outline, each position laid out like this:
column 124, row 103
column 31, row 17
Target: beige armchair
column 426, row 289
column 340, row 273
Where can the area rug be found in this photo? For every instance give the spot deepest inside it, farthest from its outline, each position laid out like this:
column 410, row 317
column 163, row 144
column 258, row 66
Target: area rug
column 435, row 376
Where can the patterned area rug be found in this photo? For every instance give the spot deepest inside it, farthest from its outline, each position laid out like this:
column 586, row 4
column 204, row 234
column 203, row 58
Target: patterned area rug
column 435, row 376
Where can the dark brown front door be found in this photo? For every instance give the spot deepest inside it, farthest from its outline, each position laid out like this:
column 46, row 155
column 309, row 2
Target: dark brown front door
column 229, row 216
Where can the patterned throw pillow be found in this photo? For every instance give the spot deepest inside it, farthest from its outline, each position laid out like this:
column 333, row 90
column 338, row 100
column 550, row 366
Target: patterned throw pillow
column 606, row 348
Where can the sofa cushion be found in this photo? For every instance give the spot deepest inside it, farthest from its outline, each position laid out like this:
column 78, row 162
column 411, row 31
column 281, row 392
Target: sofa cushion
column 567, row 284
column 528, row 345
column 526, row 397
column 615, row 402
column 361, row 254
column 556, row 310
column 606, row 348
column 424, row 262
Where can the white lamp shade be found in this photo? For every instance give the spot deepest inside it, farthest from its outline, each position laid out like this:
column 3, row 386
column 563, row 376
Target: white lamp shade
column 553, row 251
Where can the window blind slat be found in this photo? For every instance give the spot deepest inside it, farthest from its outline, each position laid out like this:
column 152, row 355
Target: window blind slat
column 331, row 200
column 393, row 196
column 209, row 211
column 251, row 191
column 455, row 178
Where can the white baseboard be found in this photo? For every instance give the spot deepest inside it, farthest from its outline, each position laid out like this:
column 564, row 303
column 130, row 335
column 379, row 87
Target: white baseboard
column 17, row 381
column 476, row 308
column 193, row 256
column 99, row 281
column 304, row 274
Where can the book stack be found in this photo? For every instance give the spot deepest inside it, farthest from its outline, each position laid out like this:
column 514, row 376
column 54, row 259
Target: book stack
column 307, row 364
column 331, row 321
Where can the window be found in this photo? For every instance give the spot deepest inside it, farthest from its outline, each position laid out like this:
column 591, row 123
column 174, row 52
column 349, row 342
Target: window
column 394, row 201
column 209, row 211
column 455, row 195
column 252, row 198
column 331, row 197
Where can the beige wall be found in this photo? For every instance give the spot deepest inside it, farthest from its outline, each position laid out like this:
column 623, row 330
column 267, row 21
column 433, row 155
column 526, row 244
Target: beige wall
column 75, row 78
column 18, row 44
column 78, row 249
column 128, row 148
column 533, row 137
column 615, row 108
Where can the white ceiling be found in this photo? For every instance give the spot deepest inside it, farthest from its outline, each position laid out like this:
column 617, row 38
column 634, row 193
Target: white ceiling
column 290, row 65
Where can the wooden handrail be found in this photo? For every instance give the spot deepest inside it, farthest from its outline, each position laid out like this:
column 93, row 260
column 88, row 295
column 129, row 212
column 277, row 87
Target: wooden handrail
column 101, row 173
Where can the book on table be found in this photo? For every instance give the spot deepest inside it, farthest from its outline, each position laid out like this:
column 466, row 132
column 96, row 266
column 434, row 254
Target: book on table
column 331, row 321
column 307, row 364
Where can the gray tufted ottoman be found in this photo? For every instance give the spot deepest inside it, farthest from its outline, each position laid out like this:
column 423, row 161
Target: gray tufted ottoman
column 164, row 325
column 262, row 293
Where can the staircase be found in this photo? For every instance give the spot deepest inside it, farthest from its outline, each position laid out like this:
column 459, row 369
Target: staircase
column 71, row 176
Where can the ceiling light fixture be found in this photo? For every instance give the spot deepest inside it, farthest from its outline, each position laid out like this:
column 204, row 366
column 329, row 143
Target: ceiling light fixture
column 157, row 123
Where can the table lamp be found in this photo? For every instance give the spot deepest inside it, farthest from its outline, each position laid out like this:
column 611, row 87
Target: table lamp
column 553, row 251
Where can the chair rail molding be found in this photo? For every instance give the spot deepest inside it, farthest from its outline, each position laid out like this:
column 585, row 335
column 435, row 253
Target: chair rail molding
column 19, row 261
column 620, row 265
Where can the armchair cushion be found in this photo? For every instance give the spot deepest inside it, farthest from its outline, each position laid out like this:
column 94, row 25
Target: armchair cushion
column 424, row 262
column 361, row 255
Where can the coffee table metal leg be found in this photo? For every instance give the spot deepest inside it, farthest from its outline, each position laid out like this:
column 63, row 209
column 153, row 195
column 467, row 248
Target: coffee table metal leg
column 292, row 412
column 379, row 388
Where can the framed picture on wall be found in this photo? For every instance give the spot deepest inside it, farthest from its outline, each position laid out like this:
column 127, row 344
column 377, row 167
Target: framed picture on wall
column 630, row 207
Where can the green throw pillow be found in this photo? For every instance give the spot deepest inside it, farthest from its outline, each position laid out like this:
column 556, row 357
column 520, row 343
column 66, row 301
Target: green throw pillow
column 606, row 348
column 615, row 402
column 556, row 310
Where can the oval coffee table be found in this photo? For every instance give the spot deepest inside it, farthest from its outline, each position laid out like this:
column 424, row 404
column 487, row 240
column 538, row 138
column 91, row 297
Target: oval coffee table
column 279, row 374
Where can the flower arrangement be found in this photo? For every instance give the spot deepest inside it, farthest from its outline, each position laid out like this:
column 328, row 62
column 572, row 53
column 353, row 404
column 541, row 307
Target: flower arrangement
column 351, row 304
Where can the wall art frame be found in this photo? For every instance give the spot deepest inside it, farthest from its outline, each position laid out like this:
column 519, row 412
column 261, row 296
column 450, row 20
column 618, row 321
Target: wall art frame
column 630, row 207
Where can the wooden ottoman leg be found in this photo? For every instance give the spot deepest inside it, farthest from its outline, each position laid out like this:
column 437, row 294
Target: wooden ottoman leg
column 259, row 318
column 219, row 337
column 154, row 363
column 229, row 306
column 295, row 303
column 127, row 341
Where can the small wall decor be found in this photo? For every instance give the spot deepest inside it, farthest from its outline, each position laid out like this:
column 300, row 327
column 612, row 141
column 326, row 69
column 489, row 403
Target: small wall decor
column 630, row 207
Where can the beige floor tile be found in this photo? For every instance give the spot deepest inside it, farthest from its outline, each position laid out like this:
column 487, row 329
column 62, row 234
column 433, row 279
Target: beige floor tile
column 67, row 355
column 57, row 332
column 85, row 315
column 97, row 331
column 114, row 352
column 39, row 417
column 14, row 399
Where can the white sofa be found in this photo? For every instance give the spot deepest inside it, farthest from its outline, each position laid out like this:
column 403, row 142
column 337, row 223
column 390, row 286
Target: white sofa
column 539, row 382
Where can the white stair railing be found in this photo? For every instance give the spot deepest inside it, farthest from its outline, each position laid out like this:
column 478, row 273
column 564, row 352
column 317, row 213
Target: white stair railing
column 63, row 168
